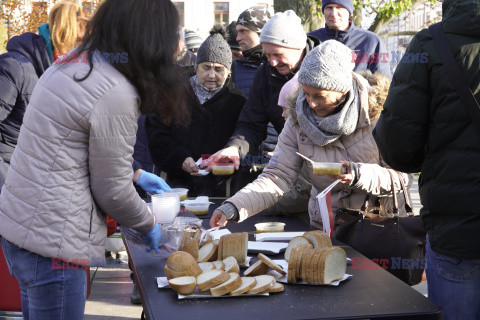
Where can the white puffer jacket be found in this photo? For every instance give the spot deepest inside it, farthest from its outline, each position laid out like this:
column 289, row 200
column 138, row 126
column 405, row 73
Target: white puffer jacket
column 359, row 147
column 73, row 164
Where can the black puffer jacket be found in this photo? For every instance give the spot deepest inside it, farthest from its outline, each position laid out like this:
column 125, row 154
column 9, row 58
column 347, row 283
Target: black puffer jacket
column 262, row 106
column 20, row 68
column 425, row 127
column 211, row 126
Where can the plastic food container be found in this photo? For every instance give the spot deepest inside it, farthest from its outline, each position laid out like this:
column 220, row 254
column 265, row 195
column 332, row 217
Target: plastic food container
column 270, row 227
column 198, row 209
column 223, row 169
column 182, row 193
column 327, row 168
column 165, row 206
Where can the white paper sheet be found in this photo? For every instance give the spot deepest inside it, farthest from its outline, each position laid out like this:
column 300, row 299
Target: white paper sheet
column 266, row 247
column 277, row 236
column 322, row 203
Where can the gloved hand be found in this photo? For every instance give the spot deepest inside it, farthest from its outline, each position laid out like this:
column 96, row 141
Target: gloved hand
column 153, row 238
column 152, row 183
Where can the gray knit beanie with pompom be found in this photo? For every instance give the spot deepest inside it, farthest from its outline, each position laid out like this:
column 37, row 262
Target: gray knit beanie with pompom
column 328, row 66
column 215, row 48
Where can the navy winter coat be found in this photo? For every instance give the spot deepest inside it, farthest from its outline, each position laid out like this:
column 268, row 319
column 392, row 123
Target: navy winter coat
column 370, row 52
column 244, row 68
column 20, row 69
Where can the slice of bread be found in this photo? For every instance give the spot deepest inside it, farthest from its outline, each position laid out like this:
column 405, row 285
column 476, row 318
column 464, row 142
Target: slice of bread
column 276, row 287
column 219, row 265
column 191, row 246
column 212, row 279
column 294, row 264
column 332, row 265
column 297, row 241
column 235, row 245
column 271, row 264
column 231, row 264
column 318, row 238
column 247, row 284
column 206, row 266
column 256, row 269
column 263, row 282
column 183, row 285
column 231, row 284
column 206, row 252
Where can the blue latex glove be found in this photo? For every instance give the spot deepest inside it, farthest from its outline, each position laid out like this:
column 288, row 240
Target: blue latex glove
column 152, row 183
column 153, row 238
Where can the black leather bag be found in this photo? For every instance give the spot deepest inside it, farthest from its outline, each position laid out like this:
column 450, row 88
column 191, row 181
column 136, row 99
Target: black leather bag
column 396, row 244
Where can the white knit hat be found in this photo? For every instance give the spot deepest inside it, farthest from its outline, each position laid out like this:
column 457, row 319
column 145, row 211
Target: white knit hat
column 328, row 66
column 284, row 29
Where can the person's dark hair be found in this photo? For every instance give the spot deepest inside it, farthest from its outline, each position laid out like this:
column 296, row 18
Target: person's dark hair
column 147, row 32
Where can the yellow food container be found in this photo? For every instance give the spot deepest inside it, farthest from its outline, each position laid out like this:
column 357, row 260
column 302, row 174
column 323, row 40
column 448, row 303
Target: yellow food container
column 198, row 209
column 223, row 169
column 327, row 168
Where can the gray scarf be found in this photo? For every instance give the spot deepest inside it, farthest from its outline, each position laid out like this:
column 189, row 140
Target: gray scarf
column 203, row 93
column 323, row 131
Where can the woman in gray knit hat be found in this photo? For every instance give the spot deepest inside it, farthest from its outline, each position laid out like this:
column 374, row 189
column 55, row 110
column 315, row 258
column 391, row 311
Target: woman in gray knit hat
column 215, row 105
column 334, row 116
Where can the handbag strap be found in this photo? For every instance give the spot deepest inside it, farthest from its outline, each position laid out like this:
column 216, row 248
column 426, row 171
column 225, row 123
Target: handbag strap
column 455, row 74
column 408, row 203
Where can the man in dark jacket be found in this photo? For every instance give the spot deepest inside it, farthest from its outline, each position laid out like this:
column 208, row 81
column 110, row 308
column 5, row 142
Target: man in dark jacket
column 249, row 25
column 369, row 50
column 285, row 44
column 425, row 127
column 20, row 68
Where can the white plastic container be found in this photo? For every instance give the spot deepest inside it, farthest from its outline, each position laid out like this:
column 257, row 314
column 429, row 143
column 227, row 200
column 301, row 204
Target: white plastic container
column 165, row 207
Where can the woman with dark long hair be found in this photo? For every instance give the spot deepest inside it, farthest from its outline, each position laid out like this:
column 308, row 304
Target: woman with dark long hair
column 73, row 160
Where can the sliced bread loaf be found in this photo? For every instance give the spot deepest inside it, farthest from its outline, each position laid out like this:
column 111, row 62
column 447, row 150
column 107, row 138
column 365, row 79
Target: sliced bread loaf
column 263, row 282
column 231, row 284
column 297, row 241
column 276, row 287
column 211, row 279
column 247, row 284
column 318, row 238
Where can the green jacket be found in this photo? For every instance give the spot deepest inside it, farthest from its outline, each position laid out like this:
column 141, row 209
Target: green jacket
column 425, row 127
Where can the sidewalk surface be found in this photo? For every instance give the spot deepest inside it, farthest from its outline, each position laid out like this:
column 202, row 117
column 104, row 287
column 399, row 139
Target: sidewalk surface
column 111, row 287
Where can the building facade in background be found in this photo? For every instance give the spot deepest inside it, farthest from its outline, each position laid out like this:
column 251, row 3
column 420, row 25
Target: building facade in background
column 201, row 15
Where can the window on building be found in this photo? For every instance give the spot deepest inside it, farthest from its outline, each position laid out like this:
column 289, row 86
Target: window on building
column 221, row 13
column 181, row 12
column 263, row 5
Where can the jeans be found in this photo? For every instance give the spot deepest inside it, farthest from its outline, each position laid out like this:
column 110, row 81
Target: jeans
column 46, row 293
column 454, row 284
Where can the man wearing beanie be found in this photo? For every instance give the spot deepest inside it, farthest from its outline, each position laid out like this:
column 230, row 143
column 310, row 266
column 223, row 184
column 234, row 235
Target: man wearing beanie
column 215, row 104
column 370, row 52
column 249, row 25
column 285, row 44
